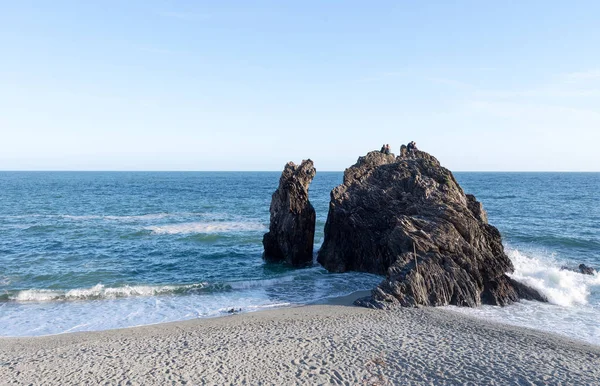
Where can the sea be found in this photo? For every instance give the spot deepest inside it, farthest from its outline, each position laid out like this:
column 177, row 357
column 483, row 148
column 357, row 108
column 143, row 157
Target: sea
column 84, row 251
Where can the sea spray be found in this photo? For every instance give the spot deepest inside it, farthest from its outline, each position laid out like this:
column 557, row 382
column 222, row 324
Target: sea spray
column 560, row 286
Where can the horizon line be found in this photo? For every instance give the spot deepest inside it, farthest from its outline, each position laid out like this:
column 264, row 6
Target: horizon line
column 263, row 171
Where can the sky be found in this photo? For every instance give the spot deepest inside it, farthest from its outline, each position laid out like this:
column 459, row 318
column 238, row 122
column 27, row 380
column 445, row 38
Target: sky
column 251, row 85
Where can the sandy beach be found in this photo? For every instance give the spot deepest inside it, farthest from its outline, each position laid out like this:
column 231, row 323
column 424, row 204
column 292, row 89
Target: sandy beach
column 318, row 344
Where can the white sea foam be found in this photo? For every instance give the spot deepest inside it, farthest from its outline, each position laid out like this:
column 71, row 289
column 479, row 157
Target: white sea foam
column 561, row 287
column 43, row 312
column 579, row 322
column 206, row 227
column 275, row 305
column 46, row 319
column 573, row 307
column 246, row 284
column 141, row 217
column 98, row 291
column 36, row 295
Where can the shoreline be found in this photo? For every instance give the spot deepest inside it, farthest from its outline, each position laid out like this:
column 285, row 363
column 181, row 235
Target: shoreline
column 330, row 343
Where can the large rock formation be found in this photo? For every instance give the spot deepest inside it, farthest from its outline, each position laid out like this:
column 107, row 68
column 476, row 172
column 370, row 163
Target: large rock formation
column 408, row 218
column 292, row 229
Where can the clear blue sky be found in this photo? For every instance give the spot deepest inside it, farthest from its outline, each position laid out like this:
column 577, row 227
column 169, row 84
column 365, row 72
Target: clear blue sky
column 250, row 85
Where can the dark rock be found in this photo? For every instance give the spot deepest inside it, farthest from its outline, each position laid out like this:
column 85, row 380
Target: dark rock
column 586, row 270
column 408, row 218
column 476, row 208
column 292, row 229
column 582, row 268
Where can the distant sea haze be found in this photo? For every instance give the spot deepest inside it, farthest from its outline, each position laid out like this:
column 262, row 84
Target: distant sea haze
column 89, row 251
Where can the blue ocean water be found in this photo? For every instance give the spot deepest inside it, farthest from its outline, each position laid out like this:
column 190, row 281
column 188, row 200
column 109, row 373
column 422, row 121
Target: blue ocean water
column 97, row 250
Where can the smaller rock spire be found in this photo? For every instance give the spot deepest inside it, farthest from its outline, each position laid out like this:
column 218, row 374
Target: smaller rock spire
column 292, row 228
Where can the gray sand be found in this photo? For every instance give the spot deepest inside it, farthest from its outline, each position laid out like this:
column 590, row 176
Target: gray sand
column 317, row 344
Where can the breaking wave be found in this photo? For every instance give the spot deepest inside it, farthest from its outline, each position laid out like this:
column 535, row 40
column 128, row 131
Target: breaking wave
column 572, row 309
column 99, row 291
column 561, row 287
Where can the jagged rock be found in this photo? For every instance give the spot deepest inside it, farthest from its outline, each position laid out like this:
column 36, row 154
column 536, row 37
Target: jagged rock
column 582, row 268
column 292, row 229
column 409, row 219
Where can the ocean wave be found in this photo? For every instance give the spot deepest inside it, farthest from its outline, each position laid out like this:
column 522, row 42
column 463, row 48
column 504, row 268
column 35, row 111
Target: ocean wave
column 126, row 218
column 143, row 217
column 246, row 284
column 98, row 291
column 206, row 227
column 561, row 287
